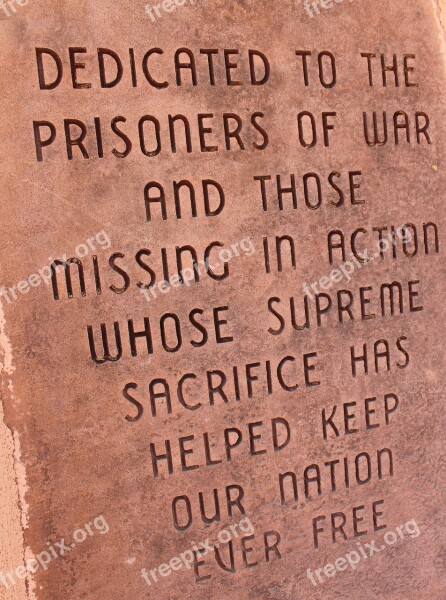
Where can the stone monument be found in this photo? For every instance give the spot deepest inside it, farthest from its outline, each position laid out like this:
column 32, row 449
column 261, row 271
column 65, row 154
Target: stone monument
column 222, row 299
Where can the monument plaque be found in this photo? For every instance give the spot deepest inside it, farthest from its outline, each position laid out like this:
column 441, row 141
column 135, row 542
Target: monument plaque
column 222, row 301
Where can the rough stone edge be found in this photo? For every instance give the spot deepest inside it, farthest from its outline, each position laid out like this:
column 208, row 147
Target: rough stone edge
column 441, row 6
column 13, row 487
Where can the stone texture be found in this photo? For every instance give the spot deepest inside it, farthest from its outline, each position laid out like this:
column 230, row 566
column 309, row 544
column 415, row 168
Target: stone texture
column 69, row 454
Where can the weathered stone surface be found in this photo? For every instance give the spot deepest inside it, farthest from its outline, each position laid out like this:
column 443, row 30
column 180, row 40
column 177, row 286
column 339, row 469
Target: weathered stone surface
column 71, row 455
